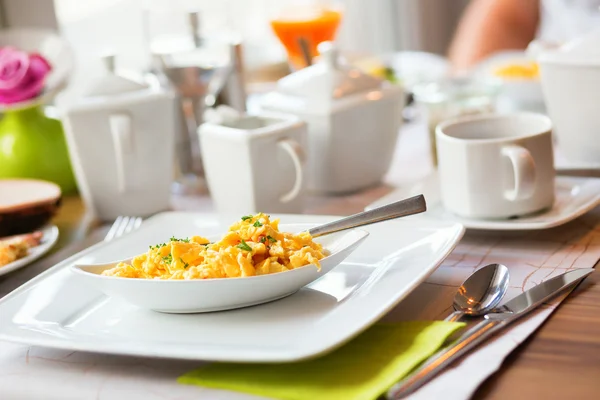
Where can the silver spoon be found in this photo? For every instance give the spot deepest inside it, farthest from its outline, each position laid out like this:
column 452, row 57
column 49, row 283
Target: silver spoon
column 402, row 208
column 481, row 292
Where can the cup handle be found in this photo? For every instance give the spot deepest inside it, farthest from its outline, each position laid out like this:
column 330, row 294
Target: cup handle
column 296, row 153
column 120, row 129
column 523, row 166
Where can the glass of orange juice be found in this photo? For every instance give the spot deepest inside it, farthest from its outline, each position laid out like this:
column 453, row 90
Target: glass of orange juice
column 305, row 23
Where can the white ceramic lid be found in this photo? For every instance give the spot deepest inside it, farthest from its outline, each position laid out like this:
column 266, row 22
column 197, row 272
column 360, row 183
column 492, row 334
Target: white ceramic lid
column 583, row 51
column 327, row 79
column 112, row 84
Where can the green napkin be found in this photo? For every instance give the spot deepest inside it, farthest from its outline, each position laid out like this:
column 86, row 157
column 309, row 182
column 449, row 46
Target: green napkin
column 360, row 370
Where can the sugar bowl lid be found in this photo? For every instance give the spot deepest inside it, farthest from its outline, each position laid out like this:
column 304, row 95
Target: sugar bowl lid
column 581, row 51
column 327, row 79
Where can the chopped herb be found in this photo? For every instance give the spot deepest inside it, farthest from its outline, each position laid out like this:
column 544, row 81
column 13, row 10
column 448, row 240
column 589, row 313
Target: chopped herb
column 245, row 217
column 174, row 239
column 390, row 75
column 258, row 224
column 168, row 259
column 244, row 246
column 158, row 246
column 271, row 239
column 263, row 239
column 185, row 265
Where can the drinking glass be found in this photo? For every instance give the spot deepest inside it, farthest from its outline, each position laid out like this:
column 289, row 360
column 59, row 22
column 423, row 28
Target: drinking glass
column 301, row 25
column 451, row 97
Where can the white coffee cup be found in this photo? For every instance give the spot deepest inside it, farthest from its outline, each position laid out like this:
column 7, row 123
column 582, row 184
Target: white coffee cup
column 255, row 163
column 496, row 166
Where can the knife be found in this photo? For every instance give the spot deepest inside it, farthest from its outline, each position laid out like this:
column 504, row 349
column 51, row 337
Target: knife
column 492, row 323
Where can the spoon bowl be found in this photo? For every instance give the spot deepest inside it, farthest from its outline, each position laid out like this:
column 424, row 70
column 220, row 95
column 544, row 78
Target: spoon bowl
column 481, row 292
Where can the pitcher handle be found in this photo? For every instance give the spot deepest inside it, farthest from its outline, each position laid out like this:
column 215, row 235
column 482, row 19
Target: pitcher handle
column 294, row 150
column 120, row 129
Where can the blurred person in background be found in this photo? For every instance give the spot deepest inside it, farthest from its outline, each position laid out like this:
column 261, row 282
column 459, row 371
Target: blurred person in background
column 489, row 26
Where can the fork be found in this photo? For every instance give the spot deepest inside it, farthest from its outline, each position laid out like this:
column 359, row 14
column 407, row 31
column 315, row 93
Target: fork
column 122, row 226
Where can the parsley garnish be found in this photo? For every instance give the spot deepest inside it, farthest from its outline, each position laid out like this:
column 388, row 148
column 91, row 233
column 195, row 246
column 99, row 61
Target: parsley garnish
column 263, row 239
column 174, row 239
column 185, row 264
column 258, row 224
column 245, row 217
column 168, row 259
column 271, row 239
column 158, row 246
column 244, row 246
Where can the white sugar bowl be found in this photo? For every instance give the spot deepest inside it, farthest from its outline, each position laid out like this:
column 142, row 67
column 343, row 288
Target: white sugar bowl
column 353, row 121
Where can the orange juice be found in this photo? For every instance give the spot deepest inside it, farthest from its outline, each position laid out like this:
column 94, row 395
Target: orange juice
column 317, row 26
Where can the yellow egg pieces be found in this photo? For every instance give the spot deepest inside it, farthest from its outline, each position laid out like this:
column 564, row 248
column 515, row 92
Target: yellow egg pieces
column 252, row 246
column 518, row 71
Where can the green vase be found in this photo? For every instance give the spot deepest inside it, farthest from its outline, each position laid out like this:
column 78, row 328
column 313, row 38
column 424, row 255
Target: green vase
column 33, row 145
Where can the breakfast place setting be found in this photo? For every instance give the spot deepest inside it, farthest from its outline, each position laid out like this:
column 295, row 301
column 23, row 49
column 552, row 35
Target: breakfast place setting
column 323, row 224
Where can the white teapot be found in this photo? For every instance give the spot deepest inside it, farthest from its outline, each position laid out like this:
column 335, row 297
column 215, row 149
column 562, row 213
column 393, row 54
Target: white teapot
column 353, row 121
column 120, row 135
column 570, row 77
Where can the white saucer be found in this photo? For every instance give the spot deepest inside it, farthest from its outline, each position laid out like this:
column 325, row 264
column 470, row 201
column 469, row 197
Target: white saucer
column 575, row 196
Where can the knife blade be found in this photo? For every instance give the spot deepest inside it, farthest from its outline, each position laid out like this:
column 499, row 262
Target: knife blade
column 530, row 299
column 493, row 322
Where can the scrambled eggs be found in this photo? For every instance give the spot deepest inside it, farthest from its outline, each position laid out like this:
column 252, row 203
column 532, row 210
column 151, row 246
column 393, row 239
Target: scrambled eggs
column 518, row 71
column 253, row 246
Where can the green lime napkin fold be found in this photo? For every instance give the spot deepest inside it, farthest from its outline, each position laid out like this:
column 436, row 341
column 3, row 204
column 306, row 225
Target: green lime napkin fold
column 360, row 370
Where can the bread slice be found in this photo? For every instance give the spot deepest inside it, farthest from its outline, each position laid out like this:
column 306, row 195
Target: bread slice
column 26, row 205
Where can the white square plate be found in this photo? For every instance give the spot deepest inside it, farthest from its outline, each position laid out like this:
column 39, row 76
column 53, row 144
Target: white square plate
column 575, row 196
column 57, row 309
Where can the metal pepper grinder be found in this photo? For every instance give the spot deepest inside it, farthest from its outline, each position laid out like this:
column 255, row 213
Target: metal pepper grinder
column 234, row 90
column 199, row 73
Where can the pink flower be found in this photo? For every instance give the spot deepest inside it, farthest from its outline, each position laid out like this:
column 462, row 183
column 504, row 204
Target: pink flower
column 22, row 75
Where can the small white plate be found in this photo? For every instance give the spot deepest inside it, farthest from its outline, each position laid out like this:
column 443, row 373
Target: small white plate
column 56, row 309
column 575, row 196
column 49, row 238
column 207, row 295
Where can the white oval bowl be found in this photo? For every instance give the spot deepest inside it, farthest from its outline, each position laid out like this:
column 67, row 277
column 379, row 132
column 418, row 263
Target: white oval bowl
column 207, row 295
